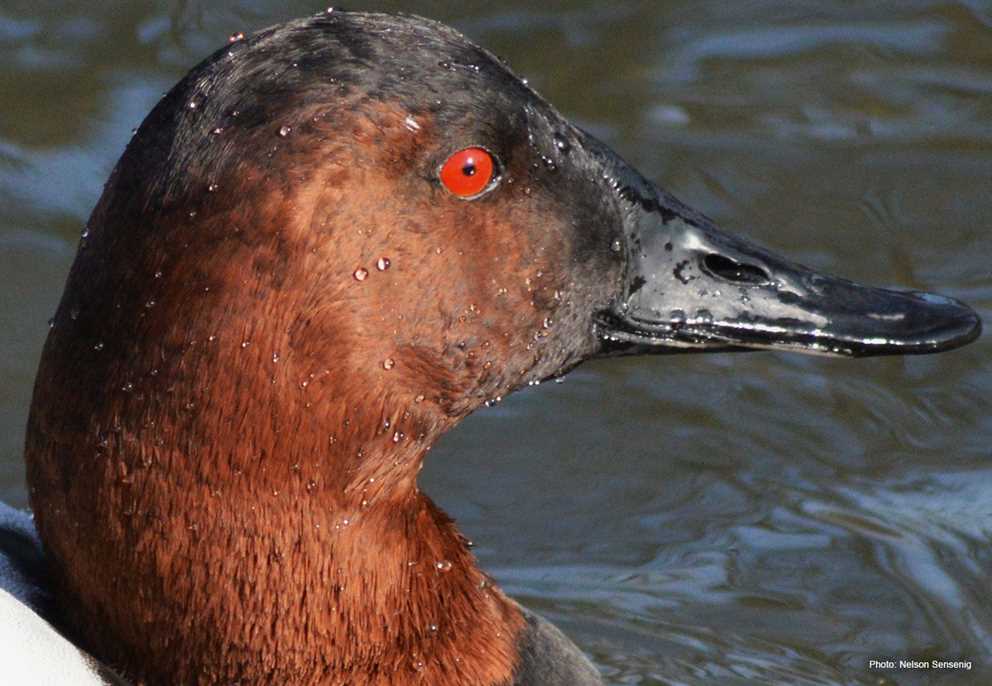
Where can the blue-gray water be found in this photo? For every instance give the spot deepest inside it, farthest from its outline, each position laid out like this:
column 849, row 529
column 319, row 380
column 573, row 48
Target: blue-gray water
column 760, row 518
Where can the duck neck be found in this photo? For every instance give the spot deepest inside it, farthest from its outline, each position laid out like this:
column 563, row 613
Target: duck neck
column 275, row 535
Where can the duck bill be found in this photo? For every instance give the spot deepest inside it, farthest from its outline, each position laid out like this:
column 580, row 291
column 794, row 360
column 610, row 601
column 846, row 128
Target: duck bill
column 691, row 287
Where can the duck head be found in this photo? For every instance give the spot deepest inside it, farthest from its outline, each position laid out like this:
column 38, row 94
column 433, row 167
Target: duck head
column 329, row 242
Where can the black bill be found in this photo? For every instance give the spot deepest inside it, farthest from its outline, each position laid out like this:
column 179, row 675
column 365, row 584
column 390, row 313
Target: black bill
column 690, row 287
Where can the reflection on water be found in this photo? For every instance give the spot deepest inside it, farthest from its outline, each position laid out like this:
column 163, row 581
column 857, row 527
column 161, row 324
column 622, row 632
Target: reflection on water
column 737, row 519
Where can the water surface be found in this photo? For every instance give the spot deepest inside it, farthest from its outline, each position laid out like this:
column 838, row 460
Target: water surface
column 742, row 519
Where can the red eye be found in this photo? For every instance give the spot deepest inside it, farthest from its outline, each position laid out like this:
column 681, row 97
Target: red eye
column 468, row 172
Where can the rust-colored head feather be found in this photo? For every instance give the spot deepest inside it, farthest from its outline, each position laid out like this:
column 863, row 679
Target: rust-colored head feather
column 275, row 314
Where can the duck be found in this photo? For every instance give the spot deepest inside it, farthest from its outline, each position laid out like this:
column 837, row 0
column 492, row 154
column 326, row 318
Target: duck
column 329, row 243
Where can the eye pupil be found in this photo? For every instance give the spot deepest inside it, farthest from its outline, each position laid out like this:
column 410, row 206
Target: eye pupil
column 468, row 172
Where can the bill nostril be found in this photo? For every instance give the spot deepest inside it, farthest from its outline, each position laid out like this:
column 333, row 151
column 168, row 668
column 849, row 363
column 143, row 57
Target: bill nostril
column 734, row 271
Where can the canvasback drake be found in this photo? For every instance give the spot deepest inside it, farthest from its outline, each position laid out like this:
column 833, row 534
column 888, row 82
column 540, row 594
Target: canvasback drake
column 329, row 243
